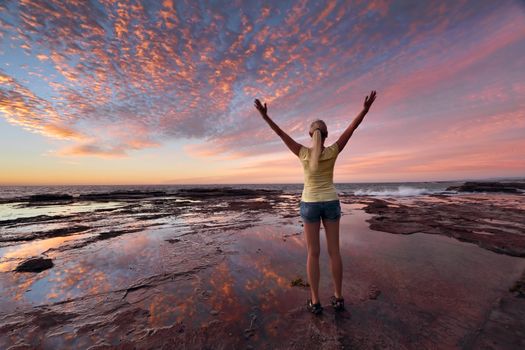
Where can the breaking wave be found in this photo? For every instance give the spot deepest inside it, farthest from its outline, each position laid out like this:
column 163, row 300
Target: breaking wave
column 401, row 191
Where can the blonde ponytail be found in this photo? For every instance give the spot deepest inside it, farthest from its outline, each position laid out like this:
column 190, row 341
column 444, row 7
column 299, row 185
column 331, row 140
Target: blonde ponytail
column 316, row 150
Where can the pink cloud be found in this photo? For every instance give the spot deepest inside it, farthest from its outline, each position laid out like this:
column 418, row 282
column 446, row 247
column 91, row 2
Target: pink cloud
column 122, row 77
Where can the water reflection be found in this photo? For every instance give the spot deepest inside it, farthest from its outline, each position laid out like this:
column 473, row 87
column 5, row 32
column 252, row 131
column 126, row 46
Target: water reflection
column 11, row 211
column 242, row 278
column 12, row 255
column 431, row 273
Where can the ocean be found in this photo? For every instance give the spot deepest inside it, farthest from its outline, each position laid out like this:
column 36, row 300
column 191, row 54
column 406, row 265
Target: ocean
column 9, row 193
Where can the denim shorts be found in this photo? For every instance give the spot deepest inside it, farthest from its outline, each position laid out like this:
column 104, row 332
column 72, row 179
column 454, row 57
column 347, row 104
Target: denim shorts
column 314, row 211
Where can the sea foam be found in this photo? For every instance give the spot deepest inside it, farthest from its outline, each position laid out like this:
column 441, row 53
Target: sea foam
column 401, row 191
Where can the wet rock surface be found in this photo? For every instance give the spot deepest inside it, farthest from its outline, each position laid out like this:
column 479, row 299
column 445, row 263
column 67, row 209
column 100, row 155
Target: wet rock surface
column 482, row 221
column 506, row 187
column 215, row 268
column 136, row 194
column 49, row 197
column 58, row 232
column 225, row 192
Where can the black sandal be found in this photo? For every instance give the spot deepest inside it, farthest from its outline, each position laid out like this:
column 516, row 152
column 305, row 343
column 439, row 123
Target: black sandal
column 337, row 303
column 316, row 308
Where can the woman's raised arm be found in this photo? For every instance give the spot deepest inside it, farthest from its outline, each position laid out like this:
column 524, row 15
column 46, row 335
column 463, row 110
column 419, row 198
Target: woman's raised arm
column 345, row 136
column 292, row 145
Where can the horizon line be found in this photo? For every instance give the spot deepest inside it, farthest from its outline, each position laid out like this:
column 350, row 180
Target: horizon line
column 267, row 183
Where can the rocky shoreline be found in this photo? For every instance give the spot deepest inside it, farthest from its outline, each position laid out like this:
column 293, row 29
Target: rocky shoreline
column 490, row 226
column 491, row 187
column 154, row 269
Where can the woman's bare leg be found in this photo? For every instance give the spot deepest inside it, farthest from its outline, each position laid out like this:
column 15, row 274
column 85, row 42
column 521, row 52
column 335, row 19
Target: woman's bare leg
column 311, row 231
column 332, row 241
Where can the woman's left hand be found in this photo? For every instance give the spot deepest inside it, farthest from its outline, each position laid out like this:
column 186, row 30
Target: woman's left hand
column 369, row 100
column 262, row 109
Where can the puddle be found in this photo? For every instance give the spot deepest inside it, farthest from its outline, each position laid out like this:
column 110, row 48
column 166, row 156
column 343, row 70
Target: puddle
column 10, row 256
column 241, row 280
column 11, row 211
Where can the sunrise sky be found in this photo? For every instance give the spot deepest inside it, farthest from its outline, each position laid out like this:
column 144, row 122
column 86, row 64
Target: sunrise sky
column 157, row 92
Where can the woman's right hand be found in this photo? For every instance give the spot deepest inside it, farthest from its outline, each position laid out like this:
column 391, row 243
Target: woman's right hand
column 369, row 100
column 262, row 109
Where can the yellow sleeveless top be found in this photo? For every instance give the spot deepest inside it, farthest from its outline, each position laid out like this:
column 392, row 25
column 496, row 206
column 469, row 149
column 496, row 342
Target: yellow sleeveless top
column 319, row 185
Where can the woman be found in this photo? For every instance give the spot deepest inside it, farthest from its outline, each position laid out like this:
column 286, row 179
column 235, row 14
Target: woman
column 319, row 200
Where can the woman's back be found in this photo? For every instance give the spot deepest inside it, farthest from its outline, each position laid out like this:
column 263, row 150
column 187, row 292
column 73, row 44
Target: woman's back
column 319, row 184
column 319, row 200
